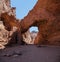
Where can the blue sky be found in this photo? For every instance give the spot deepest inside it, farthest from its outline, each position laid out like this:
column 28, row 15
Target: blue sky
column 22, row 8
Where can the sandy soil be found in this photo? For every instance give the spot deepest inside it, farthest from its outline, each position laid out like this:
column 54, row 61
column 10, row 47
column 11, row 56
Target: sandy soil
column 30, row 53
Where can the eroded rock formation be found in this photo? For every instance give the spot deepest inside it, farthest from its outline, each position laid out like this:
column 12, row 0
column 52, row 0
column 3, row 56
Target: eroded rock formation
column 46, row 16
column 5, row 6
column 10, row 24
column 3, row 35
column 28, row 37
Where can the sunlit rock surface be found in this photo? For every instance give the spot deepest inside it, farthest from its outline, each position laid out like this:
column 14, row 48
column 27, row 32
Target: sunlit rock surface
column 46, row 16
column 5, row 6
column 29, row 37
column 4, row 34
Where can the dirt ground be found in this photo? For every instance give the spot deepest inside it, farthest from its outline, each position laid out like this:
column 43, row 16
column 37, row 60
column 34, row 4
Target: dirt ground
column 30, row 53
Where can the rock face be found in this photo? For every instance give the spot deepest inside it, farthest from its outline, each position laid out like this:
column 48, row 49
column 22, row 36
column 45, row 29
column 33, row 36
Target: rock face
column 3, row 36
column 46, row 16
column 10, row 28
column 3, row 33
column 10, row 24
column 29, row 37
column 6, row 7
column 9, row 37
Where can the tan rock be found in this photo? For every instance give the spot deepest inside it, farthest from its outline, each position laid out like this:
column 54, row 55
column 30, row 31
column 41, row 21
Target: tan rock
column 27, row 38
column 4, row 34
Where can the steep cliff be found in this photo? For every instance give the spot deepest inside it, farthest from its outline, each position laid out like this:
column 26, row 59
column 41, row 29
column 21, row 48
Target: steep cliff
column 9, row 31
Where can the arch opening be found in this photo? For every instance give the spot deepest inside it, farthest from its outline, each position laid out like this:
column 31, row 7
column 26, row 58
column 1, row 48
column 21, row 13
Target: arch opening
column 33, row 29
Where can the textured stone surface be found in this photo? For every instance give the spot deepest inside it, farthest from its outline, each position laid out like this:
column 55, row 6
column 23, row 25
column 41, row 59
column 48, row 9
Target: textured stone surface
column 10, row 24
column 46, row 16
column 6, row 7
column 29, row 37
column 3, row 36
column 6, row 36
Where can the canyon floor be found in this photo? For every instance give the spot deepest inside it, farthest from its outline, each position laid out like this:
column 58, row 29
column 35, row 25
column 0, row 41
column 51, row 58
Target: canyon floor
column 30, row 53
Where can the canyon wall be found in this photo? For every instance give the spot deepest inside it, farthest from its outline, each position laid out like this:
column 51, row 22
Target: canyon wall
column 10, row 27
column 45, row 15
column 9, row 30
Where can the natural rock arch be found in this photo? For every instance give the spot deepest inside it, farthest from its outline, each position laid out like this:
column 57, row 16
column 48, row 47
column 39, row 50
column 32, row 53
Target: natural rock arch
column 46, row 16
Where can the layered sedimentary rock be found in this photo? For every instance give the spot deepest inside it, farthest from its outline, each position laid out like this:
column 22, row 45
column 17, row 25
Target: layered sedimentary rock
column 33, row 35
column 6, row 7
column 10, row 28
column 3, row 35
column 9, row 37
column 10, row 24
column 46, row 16
column 29, row 37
